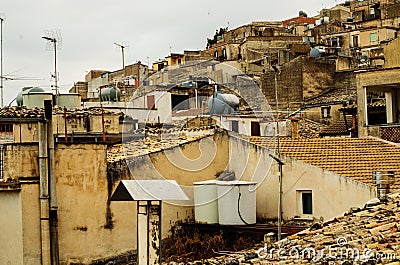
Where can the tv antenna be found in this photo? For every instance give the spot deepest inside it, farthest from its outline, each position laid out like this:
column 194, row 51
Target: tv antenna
column 1, row 60
column 122, row 45
column 54, row 42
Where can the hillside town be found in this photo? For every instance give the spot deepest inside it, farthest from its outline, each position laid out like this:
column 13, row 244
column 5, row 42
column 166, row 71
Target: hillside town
column 278, row 143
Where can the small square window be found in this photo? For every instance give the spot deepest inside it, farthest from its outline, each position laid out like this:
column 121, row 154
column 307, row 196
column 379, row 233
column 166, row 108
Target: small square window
column 373, row 37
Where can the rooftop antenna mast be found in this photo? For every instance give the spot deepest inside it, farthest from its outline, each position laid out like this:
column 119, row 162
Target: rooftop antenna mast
column 278, row 159
column 122, row 45
column 1, row 60
column 53, row 37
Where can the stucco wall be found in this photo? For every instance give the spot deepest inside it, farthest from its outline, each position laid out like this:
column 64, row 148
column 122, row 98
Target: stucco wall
column 332, row 193
column 142, row 112
column 194, row 161
column 11, row 234
column 89, row 226
column 31, row 223
column 26, row 132
column 20, row 161
column 392, row 53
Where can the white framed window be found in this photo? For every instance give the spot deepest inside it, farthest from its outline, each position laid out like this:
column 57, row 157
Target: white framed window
column 305, row 202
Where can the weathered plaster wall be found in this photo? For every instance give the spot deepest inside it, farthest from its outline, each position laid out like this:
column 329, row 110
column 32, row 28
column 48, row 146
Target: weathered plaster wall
column 11, row 239
column 194, row 161
column 392, row 53
column 89, row 226
column 20, row 161
column 31, row 223
column 26, row 132
column 332, row 193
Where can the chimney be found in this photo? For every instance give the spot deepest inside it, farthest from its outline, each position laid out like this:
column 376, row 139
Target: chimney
column 383, row 181
column 295, row 127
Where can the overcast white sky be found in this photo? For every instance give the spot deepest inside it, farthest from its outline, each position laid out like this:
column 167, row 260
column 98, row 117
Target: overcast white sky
column 89, row 29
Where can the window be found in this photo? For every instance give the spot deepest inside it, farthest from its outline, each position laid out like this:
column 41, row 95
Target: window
column 255, row 129
column 355, row 41
column 326, row 111
column 216, row 54
column 6, row 128
column 224, row 53
column 305, row 202
column 373, row 37
column 235, row 126
column 151, row 103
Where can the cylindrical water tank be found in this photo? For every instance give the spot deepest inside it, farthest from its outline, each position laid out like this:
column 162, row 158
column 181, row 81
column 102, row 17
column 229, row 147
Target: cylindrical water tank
column 206, row 202
column 25, row 90
column 220, row 103
column 70, row 100
column 236, row 202
column 110, row 94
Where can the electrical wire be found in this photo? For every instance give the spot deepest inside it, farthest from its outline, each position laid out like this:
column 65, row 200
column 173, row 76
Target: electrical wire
column 238, row 208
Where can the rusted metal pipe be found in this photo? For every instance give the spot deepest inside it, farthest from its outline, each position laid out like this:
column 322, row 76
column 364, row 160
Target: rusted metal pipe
column 65, row 125
column 44, row 196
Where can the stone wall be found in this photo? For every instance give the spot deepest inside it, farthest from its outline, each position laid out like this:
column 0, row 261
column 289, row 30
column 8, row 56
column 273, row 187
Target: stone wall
column 345, row 80
column 299, row 80
column 289, row 84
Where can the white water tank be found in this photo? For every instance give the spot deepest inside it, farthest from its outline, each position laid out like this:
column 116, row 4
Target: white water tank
column 236, row 202
column 206, row 202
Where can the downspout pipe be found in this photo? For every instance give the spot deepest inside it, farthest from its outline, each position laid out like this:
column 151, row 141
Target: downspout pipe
column 53, row 207
column 44, row 196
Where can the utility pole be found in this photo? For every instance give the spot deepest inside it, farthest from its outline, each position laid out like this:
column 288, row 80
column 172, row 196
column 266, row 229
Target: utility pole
column 1, row 61
column 123, row 64
column 279, row 156
column 54, row 41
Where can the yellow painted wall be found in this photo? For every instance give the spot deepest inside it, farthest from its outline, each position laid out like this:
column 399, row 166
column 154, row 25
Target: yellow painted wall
column 392, row 54
column 332, row 193
column 31, row 223
column 20, row 160
column 11, row 234
column 85, row 231
column 26, row 132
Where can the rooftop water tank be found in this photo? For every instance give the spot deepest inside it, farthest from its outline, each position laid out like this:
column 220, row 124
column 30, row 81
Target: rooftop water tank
column 35, row 99
column 110, row 94
column 236, row 202
column 220, row 103
column 206, row 202
column 315, row 52
column 20, row 100
column 69, row 101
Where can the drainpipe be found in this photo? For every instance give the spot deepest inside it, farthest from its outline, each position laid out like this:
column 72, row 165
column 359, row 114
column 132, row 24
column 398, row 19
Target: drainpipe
column 44, row 196
column 53, row 208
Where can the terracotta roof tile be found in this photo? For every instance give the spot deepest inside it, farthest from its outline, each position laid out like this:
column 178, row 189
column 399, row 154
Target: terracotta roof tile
column 368, row 235
column 349, row 157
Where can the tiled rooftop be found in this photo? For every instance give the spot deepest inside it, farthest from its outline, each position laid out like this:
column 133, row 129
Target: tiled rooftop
column 350, row 157
column 338, row 127
column 309, row 129
column 334, row 95
column 23, row 112
column 154, row 140
column 368, row 235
